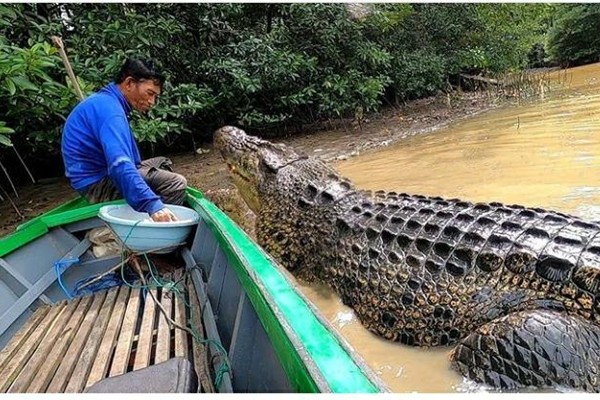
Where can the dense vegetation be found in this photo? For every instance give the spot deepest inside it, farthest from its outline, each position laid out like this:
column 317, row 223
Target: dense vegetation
column 574, row 38
column 271, row 68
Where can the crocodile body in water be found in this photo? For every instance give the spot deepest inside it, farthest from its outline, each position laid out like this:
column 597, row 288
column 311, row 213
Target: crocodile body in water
column 514, row 288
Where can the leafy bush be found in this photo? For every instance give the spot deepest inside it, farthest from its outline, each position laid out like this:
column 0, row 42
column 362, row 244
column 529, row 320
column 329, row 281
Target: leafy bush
column 170, row 117
column 417, row 74
column 537, row 57
column 575, row 37
column 31, row 101
column 4, row 131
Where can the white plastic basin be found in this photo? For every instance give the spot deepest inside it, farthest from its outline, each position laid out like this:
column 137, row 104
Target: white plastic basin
column 140, row 234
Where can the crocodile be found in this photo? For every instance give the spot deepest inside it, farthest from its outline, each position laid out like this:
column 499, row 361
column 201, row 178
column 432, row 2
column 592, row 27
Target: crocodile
column 513, row 289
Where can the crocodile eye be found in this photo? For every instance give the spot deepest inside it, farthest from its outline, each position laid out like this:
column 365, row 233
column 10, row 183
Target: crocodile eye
column 269, row 166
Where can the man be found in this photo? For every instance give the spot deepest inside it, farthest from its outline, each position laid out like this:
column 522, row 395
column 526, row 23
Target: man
column 101, row 157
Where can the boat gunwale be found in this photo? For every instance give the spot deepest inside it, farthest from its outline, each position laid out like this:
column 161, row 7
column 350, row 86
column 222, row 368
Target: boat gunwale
column 265, row 285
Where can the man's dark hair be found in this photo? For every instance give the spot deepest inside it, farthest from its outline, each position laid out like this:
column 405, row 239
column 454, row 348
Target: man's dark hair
column 140, row 70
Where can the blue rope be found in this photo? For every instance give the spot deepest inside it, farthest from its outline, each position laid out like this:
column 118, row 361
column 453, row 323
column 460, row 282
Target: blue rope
column 59, row 267
column 109, row 281
column 106, row 282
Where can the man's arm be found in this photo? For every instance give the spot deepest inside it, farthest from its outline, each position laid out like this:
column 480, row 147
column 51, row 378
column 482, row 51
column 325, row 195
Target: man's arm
column 114, row 136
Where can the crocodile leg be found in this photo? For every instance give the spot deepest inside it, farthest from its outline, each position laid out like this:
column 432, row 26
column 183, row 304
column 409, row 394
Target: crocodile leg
column 532, row 348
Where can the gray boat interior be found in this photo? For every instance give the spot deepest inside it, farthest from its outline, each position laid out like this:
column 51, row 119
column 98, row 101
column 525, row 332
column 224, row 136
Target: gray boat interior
column 28, row 280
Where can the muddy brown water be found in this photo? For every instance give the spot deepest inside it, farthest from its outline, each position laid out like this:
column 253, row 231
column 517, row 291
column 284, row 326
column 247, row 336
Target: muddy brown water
column 545, row 153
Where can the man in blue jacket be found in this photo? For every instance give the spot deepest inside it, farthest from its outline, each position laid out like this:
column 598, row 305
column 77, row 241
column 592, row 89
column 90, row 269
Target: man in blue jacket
column 101, row 157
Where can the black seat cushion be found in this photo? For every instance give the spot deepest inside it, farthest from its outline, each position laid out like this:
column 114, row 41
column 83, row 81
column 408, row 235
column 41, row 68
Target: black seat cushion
column 176, row 375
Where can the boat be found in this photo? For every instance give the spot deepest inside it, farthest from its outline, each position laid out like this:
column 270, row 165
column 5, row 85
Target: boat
column 249, row 328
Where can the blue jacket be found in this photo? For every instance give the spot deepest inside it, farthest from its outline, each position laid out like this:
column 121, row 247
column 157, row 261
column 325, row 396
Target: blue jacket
column 97, row 141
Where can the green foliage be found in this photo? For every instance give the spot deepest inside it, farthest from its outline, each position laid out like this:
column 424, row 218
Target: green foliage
column 537, row 57
column 418, row 74
column 168, row 118
column 5, row 130
column 268, row 77
column 33, row 101
column 488, row 38
column 508, row 33
column 575, row 37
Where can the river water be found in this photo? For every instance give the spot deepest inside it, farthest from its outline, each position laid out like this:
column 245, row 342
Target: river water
column 543, row 153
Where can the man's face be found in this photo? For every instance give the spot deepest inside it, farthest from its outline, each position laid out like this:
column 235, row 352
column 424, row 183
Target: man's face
column 142, row 95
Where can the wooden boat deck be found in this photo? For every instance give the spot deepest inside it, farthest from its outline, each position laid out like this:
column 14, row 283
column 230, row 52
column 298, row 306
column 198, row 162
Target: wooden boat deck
column 71, row 345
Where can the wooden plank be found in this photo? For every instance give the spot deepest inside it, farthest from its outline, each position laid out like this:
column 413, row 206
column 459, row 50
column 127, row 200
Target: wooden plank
column 38, row 288
column 144, row 344
column 21, row 384
column 101, row 363
column 50, row 365
column 22, row 334
column 163, row 337
column 69, row 360
column 10, row 373
column 123, row 349
column 181, row 341
column 199, row 351
column 14, row 367
column 84, row 364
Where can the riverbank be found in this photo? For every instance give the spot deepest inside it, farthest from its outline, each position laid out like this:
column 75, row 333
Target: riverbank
column 206, row 171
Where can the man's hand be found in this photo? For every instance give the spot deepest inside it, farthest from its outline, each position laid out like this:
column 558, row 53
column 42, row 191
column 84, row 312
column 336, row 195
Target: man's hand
column 163, row 215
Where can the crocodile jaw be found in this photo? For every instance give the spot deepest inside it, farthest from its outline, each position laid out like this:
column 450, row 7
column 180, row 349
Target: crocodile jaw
column 252, row 163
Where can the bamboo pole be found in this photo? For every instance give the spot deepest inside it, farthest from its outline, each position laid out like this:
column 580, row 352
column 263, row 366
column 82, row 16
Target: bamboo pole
column 63, row 55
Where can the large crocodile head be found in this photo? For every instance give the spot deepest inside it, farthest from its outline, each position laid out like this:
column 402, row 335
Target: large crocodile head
column 258, row 167
column 293, row 195
column 253, row 163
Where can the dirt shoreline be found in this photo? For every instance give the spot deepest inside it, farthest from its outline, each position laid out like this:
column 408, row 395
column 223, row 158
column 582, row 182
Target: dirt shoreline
column 207, row 173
